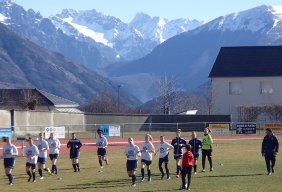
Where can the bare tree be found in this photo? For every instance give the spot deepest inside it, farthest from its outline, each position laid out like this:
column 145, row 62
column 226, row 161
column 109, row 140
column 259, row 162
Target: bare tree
column 30, row 99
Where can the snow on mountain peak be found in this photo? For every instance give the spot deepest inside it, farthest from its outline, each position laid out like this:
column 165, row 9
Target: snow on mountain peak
column 277, row 12
column 2, row 18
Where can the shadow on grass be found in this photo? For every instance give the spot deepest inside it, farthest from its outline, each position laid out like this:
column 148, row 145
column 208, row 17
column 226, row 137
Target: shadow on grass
column 238, row 175
column 96, row 185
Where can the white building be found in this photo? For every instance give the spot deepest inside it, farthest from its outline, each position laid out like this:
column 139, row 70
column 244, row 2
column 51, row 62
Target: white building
column 246, row 76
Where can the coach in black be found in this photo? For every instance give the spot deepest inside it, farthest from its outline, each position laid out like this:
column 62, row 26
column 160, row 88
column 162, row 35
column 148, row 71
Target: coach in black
column 269, row 149
column 178, row 143
column 74, row 144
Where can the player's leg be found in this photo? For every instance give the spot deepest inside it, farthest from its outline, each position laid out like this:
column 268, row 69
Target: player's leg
column 189, row 173
column 183, row 176
column 73, row 164
column 204, row 154
column 33, row 168
column 178, row 168
column 267, row 162
column 28, row 171
column 210, row 159
column 149, row 171
column 54, row 163
column 166, row 159
column 8, row 172
column 40, row 166
column 161, row 160
column 142, row 170
column 44, row 167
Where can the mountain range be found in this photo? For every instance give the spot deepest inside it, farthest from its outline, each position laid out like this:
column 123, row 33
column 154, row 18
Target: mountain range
column 137, row 54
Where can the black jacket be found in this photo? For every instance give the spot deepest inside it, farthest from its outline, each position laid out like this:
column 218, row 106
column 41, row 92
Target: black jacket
column 196, row 145
column 270, row 145
column 178, row 143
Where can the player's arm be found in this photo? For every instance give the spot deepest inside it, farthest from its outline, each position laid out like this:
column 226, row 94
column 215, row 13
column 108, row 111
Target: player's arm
column 138, row 152
column 59, row 144
column 79, row 145
column 15, row 151
column 68, row 144
column 263, row 147
column 156, row 152
column 276, row 145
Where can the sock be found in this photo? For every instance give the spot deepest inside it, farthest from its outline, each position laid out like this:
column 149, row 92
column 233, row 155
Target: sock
column 56, row 169
column 40, row 172
column 133, row 179
column 100, row 162
column 178, row 169
column 149, row 174
column 142, row 172
column 10, row 178
column 29, row 174
column 78, row 167
column 74, row 167
column 167, row 170
column 53, row 168
column 33, row 175
column 46, row 169
column 195, row 168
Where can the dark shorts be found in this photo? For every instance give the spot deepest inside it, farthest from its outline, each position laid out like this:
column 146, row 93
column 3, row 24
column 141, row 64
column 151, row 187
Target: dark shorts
column 196, row 156
column 33, row 166
column 146, row 162
column 164, row 159
column 9, row 163
column 102, row 152
column 41, row 160
column 177, row 157
column 53, row 156
column 74, row 155
column 131, row 165
column 206, row 152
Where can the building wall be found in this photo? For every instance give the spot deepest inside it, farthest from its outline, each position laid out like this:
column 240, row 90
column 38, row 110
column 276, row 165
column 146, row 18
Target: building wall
column 224, row 102
column 5, row 119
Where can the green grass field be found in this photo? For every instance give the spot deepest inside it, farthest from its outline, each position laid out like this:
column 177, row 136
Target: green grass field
column 243, row 170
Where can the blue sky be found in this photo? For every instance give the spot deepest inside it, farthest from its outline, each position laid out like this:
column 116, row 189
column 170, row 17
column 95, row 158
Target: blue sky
column 203, row 10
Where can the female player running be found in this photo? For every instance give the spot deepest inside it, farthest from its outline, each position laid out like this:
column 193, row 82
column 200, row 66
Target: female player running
column 54, row 145
column 207, row 149
column 31, row 159
column 132, row 153
column 43, row 147
column 147, row 152
column 74, row 144
column 196, row 144
column 187, row 164
column 164, row 147
column 178, row 143
column 102, row 144
column 9, row 153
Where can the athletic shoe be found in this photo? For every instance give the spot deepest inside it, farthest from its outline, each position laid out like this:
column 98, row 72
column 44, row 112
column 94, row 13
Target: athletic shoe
column 11, row 184
column 143, row 179
column 48, row 170
column 188, row 189
column 41, row 177
column 101, row 167
column 162, row 177
column 269, row 173
column 203, row 170
column 168, row 178
column 78, row 169
column 133, row 185
column 52, row 174
column 150, row 180
column 75, row 171
column 211, row 169
column 177, row 176
column 272, row 169
column 29, row 179
column 195, row 173
column 34, row 181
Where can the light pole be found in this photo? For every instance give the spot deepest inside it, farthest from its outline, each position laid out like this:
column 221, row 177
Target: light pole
column 119, row 86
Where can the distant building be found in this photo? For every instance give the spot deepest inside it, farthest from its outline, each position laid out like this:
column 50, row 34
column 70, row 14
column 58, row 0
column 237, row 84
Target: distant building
column 34, row 99
column 246, row 76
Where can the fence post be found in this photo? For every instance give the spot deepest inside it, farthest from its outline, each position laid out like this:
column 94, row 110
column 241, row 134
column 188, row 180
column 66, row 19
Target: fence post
column 150, row 127
column 122, row 130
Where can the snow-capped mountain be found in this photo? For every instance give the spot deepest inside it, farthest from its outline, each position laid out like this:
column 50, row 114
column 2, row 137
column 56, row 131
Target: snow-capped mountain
column 190, row 55
column 130, row 41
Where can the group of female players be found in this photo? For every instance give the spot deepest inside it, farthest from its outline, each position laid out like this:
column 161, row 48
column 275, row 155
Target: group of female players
column 36, row 154
column 184, row 161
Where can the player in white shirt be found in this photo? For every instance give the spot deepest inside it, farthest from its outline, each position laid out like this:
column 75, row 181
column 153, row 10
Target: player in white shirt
column 54, row 146
column 132, row 153
column 102, row 144
column 164, row 147
column 31, row 159
column 43, row 147
column 9, row 152
column 147, row 152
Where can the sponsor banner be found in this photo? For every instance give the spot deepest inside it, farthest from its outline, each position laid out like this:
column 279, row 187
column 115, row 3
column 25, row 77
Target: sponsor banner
column 110, row 130
column 6, row 132
column 59, row 132
column 276, row 127
column 246, row 128
column 220, row 129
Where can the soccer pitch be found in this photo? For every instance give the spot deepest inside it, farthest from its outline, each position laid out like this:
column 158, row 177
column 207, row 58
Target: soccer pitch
column 238, row 166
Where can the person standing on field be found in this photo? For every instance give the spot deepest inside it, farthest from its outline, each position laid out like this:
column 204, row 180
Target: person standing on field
column 178, row 143
column 102, row 144
column 187, row 165
column 54, row 145
column 31, row 159
column 269, row 149
column 10, row 152
column 196, row 144
column 74, row 145
column 147, row 152
column 207, row 149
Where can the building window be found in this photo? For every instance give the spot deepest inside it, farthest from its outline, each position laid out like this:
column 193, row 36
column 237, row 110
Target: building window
column 266, row 87
column 235, row 88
